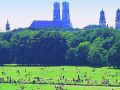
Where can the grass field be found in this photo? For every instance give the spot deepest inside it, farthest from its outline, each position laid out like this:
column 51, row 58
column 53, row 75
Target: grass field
column 46, row 78
column 52, row 87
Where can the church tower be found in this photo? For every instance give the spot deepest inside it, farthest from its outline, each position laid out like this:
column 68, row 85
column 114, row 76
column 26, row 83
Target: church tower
column 7, row 26
column 66, row 15
column 118, row 19
column 102, row 21
column 56, row 12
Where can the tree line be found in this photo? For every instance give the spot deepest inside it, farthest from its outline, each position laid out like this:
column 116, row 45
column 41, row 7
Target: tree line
column 97, row 48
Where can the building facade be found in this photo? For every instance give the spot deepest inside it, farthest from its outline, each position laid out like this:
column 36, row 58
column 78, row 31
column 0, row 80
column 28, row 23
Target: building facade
column 57, row 21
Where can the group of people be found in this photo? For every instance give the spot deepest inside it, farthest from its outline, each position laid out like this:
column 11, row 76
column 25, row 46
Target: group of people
column 25, row 76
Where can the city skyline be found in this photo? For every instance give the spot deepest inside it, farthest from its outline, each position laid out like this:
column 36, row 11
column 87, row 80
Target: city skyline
column 83, row 12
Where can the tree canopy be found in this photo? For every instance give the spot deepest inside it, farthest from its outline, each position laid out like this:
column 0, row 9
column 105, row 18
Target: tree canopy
column 100, row 47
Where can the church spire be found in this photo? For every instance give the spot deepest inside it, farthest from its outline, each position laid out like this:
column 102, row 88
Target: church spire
column 56, row 12
column 118, row 19
column 66, row 15
column 102, row 21
column 7, row 26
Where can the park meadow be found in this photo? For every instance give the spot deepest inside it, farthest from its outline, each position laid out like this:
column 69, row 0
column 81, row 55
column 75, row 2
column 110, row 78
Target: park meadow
column 60, row 60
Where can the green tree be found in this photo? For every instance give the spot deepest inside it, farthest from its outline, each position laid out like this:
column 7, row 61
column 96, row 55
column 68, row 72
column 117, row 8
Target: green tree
column 97, row 56
column 82, row 52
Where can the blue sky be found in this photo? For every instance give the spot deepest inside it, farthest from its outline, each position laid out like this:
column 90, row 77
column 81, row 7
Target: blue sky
column 21, row 13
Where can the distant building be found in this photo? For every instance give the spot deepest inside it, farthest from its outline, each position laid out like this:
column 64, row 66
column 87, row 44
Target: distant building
column 92, row 27
column 57, row 21
column 7, row 26
column 118, row 19
column 102, row 21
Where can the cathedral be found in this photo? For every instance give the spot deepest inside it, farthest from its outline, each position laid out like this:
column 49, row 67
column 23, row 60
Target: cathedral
column 65, row 22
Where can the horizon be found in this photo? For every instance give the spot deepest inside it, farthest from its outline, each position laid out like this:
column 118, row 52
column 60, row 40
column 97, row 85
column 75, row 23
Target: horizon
column 83, row 12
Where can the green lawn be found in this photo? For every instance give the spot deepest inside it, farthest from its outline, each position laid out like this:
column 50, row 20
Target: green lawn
column 52, row 87
column 67, row 75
